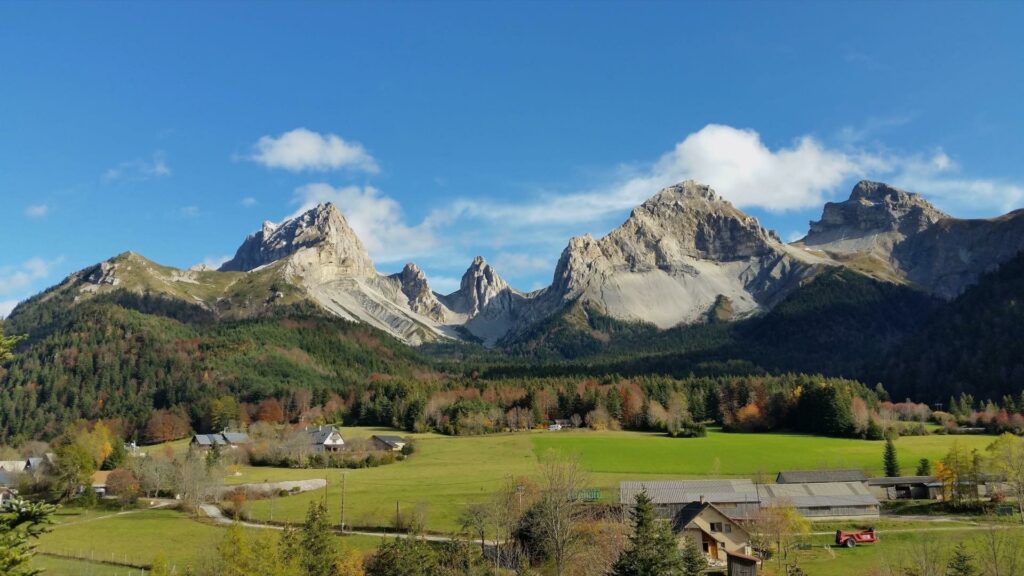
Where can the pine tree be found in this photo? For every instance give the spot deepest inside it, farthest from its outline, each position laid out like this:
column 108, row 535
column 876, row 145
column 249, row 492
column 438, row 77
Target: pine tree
column 962, row 563
column 652, row 549
column 694, row 562
column 318, row 555
column 924, row 467
column 892, row 465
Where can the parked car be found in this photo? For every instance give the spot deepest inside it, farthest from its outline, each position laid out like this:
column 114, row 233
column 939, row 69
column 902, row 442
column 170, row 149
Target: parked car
column 851, row 539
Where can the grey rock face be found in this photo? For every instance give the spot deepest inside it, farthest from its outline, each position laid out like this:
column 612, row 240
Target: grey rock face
column 906, row 237
column 322, row 227
column 421, row 299
column 676, row 255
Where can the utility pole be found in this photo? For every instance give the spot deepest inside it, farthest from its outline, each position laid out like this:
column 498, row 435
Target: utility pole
column 343, row 502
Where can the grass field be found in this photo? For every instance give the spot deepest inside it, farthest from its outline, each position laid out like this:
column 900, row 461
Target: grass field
column 445, row 473
column 136, row 538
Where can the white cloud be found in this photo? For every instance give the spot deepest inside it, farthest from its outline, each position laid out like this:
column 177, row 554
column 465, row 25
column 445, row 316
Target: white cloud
column 747, row 172
column 37, row 210
column 248, row 202
column 138, row 170
column 6, row 306
column 18, row 278
column 376, row 219
column 303, row 149
column 189, row 211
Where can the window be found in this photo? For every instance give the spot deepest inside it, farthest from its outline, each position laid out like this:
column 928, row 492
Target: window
column 727, row 528
column 716, row 526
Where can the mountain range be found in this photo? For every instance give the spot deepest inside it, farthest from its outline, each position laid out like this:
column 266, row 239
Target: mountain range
column 686, row 256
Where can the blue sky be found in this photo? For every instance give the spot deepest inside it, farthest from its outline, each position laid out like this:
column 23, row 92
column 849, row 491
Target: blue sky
column 447, row 130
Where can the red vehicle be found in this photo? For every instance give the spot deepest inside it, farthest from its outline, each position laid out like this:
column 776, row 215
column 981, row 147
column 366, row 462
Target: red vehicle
column 851, row 539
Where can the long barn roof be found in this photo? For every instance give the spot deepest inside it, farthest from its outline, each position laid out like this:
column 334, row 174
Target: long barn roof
column 685, row 491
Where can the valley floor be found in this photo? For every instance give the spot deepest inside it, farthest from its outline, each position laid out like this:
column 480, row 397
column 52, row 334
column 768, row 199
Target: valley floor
column 446, row 473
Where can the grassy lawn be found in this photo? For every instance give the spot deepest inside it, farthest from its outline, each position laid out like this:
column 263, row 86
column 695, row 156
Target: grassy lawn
column 65, row 566
column 445, row 473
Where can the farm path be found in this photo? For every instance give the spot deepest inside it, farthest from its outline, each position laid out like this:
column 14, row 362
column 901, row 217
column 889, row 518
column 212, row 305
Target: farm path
column 215, row 514
column 154, row 506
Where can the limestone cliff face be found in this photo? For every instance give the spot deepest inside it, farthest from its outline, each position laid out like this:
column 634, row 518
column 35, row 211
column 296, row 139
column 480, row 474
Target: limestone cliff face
column 675, row 256
column 421, row 299
column 898, row 235
column 322, row 229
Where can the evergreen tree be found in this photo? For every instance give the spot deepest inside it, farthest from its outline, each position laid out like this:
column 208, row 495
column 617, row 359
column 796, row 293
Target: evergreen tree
column 7, row 344
column 694, row 562
column 21, row 522
column 652, row 549
column 318, row 555
column 962, row 563
column 924, row 467
column 892, row 465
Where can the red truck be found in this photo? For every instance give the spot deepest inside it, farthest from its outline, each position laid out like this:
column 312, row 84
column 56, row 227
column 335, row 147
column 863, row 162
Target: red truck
column 851, row 539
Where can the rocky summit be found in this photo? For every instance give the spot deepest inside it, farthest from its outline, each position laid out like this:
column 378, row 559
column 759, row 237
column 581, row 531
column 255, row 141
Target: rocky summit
column 897, row 235
column 676, row 255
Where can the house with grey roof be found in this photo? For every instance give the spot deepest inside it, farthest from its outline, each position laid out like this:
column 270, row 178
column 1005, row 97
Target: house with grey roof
column 717, row 534
column 325, row 439
column 818, row 476
column 228, row 439
column 389, row 443
column 818, row 500
column 736, row 498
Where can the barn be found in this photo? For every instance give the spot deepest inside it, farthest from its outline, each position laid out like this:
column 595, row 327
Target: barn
column 737, row 499
column 818, row 500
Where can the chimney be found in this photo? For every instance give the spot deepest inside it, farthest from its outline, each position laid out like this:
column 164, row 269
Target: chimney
column 702, row 501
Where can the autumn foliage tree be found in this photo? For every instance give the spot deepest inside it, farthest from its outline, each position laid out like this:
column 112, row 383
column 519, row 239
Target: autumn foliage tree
column 165, row 425
column 270, row 410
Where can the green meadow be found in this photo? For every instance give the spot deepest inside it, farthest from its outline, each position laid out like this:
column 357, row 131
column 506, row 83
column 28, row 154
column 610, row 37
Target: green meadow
column 446, row 473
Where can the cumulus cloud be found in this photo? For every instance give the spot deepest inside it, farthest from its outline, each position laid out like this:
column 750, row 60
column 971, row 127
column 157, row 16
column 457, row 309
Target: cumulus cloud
column 750, row 174
column 18, row 278
column 248, row 202
column 377, row 220
column 37, row 210
column 302, row 149
column 139, row 169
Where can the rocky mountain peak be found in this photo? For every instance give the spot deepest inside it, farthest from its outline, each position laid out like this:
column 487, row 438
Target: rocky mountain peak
column 874, row 207
column 322, row 227
column 479, row 286
column 416, row 288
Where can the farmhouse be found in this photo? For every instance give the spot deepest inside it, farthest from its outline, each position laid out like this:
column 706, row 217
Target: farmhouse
column 230, row 439
column 820, row 476
column 718, row 534
column 822, row 499
column 99, row 482
column 7, row 494
column 392, row 443
column 325, row 439
column 737, row 499
column 906, row 488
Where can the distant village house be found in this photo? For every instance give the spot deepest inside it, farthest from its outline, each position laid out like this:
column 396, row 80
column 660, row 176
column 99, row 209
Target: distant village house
column 228, row 439
column 390, row 443
column 325, row 439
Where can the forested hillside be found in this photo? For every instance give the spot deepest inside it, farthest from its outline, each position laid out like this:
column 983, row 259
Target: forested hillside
column 975, row 344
